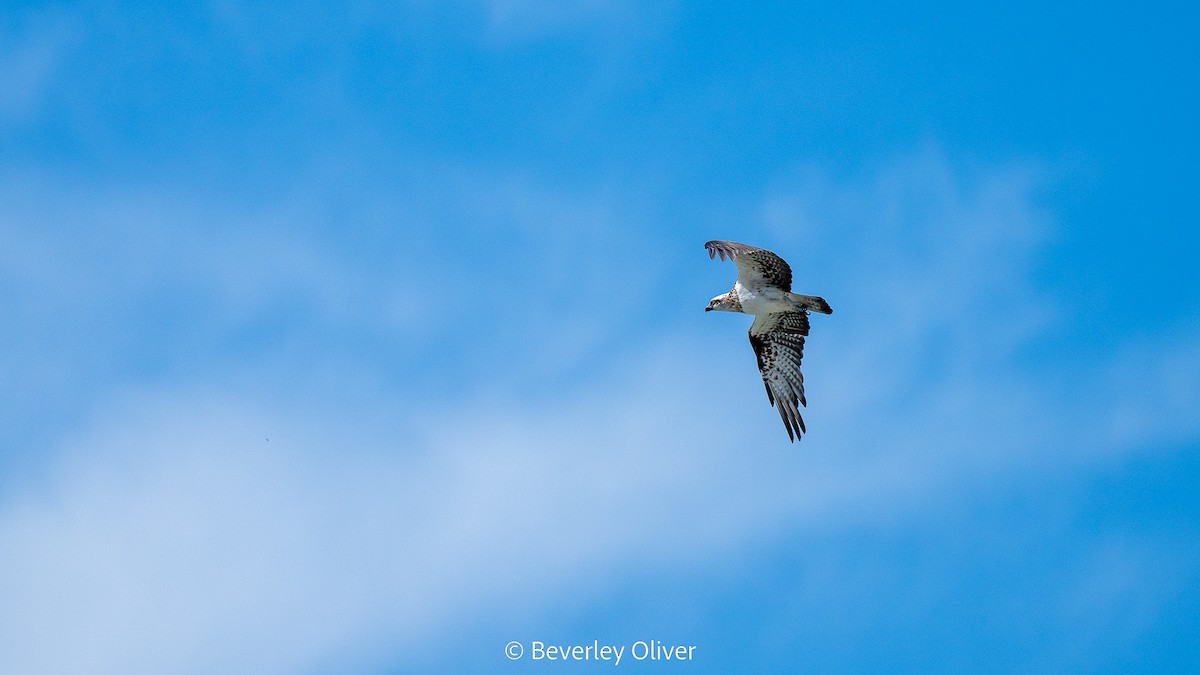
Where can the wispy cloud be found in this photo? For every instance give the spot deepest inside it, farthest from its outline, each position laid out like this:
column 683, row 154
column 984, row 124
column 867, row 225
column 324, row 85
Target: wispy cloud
column 512, row 21
column 492, row 23
column 30, row 55
column 108, row 288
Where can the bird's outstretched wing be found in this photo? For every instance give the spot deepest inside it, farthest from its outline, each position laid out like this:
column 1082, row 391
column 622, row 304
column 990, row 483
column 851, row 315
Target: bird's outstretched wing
column 778, row 341
column 757, row 267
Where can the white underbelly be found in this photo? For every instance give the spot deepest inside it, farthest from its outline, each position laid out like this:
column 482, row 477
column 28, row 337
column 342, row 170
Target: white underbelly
column 766, row 301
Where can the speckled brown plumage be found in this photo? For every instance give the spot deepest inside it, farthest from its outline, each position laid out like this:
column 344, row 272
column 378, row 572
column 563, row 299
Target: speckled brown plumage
column 732, row 301
column 778, row 342
column 755, row 265
column 780, row 324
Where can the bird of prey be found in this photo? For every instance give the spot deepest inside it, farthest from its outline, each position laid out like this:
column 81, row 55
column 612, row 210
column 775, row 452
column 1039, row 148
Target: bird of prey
column 764, row 289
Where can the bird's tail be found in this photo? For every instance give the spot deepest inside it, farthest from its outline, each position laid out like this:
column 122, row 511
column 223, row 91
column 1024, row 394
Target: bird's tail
column 811, row 302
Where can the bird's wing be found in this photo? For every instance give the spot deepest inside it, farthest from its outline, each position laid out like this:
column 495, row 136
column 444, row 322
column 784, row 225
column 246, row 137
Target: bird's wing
column 778, row 341
column 757, row 267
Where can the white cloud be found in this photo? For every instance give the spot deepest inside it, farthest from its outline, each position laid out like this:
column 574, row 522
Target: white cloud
column 174, row 536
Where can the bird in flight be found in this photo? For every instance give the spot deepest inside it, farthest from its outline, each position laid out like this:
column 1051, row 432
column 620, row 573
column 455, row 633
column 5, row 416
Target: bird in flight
column 764, row 289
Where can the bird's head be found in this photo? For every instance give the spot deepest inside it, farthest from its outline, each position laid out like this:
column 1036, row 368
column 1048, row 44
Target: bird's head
column 724, row 303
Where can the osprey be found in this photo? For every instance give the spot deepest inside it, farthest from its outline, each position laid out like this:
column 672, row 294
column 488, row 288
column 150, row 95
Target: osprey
column 764, row 289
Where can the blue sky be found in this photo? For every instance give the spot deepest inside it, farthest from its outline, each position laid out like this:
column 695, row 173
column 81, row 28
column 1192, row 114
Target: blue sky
column 370, row 338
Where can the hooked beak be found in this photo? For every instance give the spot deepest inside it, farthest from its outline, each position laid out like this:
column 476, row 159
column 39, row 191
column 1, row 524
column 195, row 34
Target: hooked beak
column 708, row 309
